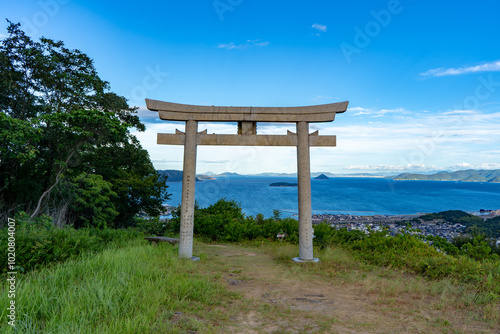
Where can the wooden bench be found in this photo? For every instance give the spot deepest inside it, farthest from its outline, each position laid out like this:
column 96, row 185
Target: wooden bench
column 155, row 240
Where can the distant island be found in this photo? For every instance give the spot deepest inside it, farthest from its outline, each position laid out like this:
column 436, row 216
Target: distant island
column 283, row 184
column 470, row 175
column 322, row 177
column 205, row 177
column 174, row 175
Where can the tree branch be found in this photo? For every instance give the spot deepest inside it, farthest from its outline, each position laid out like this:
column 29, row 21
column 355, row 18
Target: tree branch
column 58, row 176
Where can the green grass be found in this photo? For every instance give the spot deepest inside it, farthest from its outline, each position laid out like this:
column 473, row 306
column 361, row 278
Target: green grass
column 135, row 289
column 138, row 288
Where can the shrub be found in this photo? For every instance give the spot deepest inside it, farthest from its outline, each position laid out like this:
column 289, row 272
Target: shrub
column 152, row 226
column 39, row 242
column 225, row 221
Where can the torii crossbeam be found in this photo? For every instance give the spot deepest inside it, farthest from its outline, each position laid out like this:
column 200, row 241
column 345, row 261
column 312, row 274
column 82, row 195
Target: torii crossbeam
column 247, row 118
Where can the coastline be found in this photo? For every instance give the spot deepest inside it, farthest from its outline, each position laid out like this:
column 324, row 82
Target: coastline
column 358, row 196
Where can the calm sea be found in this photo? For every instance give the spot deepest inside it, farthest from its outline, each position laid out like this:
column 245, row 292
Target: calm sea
column 362, row 196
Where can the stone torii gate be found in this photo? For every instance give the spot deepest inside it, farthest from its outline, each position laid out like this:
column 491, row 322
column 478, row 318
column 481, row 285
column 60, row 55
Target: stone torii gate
column 247, row 118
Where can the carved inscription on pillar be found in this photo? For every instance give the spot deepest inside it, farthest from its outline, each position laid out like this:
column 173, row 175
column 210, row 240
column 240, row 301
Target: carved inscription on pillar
column 188, row 191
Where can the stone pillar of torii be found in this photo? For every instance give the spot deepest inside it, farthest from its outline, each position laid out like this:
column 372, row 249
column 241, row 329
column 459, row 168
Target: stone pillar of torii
column 247, row 118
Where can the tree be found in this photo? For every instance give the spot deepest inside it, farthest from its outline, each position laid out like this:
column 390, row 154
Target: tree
column 59, row 118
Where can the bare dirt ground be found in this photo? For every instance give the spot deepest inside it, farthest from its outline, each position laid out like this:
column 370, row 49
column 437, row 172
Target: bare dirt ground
column 293, row 298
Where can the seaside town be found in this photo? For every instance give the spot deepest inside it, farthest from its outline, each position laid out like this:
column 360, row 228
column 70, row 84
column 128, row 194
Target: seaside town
column 399, row 223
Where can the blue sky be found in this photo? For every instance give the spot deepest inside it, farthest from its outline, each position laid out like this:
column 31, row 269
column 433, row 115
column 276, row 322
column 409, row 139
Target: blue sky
column 422, row 77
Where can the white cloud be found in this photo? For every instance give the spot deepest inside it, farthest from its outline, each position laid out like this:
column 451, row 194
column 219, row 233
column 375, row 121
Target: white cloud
column 460, row 112
column 147, row 115
column 440, row 72
column 319, row 27
column 3, row 36
column 405, row 141
column 230, row 46
column 258, row 42
column 321, row 98
column 376, row 113
column 466, row 165
column 391, row 168
column 247, row 44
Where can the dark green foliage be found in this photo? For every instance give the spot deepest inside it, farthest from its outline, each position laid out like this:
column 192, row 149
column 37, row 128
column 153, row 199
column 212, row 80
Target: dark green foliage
column 39, row 242
column 453, row 217
column 478, row 247
column 491, row 227
column 93, row 205
column 443, row 245
column 58, row 121
column 152, row 226
column 472, row 263
column 224, row 221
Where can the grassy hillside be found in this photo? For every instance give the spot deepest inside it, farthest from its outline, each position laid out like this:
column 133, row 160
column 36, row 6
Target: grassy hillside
column 136, row 289
column 364, row 282
column 242, row 289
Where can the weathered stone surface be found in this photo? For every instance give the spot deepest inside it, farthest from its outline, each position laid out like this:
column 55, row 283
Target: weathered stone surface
column 245, row 140
column 188, row 188
column 304, row 180
column 182, row 112
column 247, row 128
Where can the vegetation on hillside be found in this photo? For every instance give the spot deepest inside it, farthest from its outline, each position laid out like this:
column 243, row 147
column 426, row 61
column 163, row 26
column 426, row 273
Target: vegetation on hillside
column 66, row 149
column 475, row 226
column 472, row 260
column 132, row 275
column 38, row 243
column 134, row 289
column 469, row 175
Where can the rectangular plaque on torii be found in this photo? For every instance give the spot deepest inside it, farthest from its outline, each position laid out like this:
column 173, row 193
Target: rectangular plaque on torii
column 247, row 118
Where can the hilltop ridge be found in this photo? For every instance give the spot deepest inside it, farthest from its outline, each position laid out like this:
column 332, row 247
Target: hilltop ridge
column 469, row 175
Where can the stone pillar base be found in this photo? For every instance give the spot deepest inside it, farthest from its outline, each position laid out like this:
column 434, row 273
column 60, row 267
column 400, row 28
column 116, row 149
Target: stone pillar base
column 298, row 259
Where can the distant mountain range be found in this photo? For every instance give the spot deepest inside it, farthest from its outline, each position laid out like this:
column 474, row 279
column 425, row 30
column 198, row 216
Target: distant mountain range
column 176, row 175
column 469, row 175
column 313, row 174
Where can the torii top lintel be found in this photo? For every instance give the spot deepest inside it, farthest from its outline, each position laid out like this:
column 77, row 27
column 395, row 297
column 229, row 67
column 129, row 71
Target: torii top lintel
column 184, row 112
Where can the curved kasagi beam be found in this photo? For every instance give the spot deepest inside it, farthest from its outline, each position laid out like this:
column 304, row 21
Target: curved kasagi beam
column 184, row 112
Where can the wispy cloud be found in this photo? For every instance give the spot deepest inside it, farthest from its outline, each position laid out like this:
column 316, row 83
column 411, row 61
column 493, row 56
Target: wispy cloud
column 441, row 72
column 3, row 36
column 249, row 43
column 322, row 98
column 405, row 141
column 418, row 168
column 391, row 168
column 319, row 27
column 376, row 113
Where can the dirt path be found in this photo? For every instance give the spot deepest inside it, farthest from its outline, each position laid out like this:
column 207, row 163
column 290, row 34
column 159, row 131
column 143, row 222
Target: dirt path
column 282, row 298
